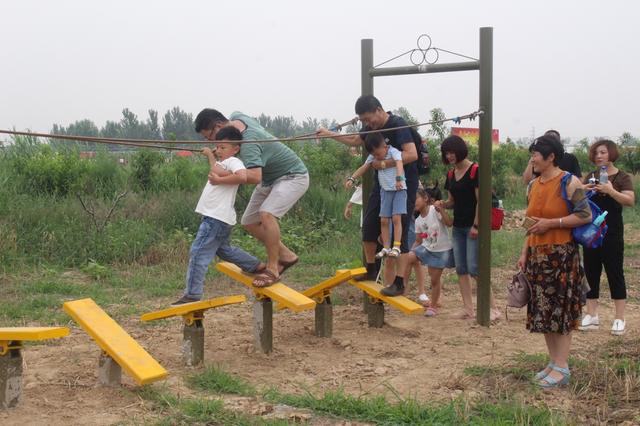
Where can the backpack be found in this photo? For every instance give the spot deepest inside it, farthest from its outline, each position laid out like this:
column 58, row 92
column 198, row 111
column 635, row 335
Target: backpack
column 423, row 163
column 497, row 214
column 590, row 235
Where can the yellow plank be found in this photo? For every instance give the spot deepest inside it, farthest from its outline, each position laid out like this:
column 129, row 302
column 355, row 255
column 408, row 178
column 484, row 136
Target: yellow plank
column 187, row 308
column 328, row 285
column 115, row 341
column 32, row 333
column 280, row 293
column 402, row 303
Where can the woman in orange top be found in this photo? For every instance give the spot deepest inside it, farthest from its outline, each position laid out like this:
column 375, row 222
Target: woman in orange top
column 551, row 260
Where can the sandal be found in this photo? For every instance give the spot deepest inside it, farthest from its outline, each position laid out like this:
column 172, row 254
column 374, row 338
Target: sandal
column 260, row 268
column 544, row 373
column 286, row 265
column 549, row 382
column 265, row 279
column 431, row 312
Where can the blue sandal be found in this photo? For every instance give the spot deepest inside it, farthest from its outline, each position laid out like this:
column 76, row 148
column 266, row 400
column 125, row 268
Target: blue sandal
column 549, row 382
column 542, row 373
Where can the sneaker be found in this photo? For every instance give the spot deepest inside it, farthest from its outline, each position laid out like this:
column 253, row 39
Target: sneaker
column 392, row 290
column 618, row 327
column 394, row 252
column 423, row 298
column 184, row 300
column 382, row 253
column 589, row 323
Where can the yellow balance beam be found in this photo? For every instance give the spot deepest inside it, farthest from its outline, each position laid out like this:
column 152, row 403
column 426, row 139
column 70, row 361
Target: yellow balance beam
column 32, row 333
column 402, row 303
column 278, row 292
column 189, row 308
column 116, row 342
column 323, row 289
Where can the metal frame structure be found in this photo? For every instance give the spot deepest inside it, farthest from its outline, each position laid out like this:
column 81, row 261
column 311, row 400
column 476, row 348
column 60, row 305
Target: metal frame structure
column 485, row 66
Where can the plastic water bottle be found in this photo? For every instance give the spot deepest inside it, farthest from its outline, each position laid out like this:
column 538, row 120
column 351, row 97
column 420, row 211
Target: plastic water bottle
column 598, row 221
column 604, row 176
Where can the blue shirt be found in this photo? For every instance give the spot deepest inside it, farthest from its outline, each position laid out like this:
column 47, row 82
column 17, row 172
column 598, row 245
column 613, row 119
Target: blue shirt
column 387, row 176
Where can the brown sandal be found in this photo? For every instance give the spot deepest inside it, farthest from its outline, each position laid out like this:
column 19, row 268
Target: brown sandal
column 286, row 265
column 265, row 279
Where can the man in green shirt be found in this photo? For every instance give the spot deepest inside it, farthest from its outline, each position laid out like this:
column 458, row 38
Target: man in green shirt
column 281, row 178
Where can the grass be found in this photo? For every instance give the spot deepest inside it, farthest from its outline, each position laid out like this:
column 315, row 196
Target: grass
column 378, row 410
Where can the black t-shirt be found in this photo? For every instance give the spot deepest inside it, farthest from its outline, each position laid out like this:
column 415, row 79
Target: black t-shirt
column 621, row 181
column 568, row 163
column 398, row 138
column 464, row 198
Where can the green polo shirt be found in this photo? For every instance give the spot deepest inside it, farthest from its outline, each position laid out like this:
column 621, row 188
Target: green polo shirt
column 275, row 158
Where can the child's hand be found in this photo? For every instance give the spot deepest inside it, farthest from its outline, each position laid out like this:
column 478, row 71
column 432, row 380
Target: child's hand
column 399, row 185
column 349, row 183
column 207, row 152
column 214, row 178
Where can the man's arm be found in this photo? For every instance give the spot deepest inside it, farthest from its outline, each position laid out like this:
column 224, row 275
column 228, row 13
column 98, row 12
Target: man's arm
column 409, row 155
column 353, row 140
column 237, row 178
column 254, row 175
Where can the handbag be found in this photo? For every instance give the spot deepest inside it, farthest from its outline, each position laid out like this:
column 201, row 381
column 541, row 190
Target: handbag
column 518, row 291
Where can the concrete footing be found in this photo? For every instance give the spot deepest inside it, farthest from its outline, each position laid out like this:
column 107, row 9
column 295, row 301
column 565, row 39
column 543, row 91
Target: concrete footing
column 193, row 343
column 263, row 324
column 10, row 378
column 324, row 318
column 109, row 371
column 375, row 313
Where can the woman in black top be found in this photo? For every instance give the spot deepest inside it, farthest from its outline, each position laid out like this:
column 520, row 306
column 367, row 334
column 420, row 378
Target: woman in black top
column 610, row 196
column 462, row 186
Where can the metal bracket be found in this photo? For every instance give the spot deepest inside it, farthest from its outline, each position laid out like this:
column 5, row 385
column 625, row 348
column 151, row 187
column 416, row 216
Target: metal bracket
column 320, row 298
column 7, row 345
column 191, row 317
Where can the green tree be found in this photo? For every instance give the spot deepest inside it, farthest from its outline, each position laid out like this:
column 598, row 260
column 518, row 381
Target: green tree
column 438, row 131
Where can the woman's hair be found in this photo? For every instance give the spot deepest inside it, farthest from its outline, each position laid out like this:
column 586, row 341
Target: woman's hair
column 611, row 147
column 456, row 145
column 433, row 193
column 547, row 145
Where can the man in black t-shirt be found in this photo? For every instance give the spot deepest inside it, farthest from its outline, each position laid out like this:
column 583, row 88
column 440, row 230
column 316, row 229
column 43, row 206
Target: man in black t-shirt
column 568, row 162
column 374, row 117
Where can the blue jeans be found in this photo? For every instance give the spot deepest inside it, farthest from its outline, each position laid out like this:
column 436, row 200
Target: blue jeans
column 465, row 252
column 213, row 239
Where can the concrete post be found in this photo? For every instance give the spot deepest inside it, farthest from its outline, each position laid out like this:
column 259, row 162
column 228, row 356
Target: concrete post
column 263, row 324
column 324, row 318
column 193, row 343
column 109, row 371
column 375, row 313
column 10, row 378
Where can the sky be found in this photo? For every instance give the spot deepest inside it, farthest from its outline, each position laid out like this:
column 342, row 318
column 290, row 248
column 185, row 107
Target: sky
column 567, row 65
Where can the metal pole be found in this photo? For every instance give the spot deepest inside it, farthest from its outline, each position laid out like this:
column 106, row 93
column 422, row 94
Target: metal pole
column 485, row 153
column 426, row 69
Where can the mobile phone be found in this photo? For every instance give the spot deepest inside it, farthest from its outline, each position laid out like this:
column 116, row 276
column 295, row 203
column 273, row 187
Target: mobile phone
column 593, row 181
column 528, row 222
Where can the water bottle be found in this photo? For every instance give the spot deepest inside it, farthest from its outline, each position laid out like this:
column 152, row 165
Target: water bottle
column 598, row 221
column 604, row 176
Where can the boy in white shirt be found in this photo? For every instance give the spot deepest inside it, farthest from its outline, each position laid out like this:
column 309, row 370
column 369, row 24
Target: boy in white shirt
column 216, row 205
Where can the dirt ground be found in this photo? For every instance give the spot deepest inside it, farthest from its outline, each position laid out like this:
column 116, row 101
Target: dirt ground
column 413, row 355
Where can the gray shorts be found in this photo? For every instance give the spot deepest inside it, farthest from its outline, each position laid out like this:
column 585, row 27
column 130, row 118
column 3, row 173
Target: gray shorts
column 276, row 199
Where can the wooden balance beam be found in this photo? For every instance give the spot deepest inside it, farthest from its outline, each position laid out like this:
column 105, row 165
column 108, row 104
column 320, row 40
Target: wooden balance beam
column 375, row 307
column 263, row 306
column 11, row 339
column 193, row 330
column 120, row 350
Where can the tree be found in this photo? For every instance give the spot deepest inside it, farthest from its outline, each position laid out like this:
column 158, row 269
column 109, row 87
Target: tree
column 178, row 124
column 404, row 113
column 438, row 130
column 628, row 140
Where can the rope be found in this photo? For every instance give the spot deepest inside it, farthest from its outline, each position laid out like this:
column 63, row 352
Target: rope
column 151, row 143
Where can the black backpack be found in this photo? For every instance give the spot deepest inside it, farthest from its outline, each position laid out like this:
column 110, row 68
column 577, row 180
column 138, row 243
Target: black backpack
column 423, row 163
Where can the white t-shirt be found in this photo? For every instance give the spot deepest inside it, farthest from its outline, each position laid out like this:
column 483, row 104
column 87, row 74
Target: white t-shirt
column 437, row 236
column 218, row 201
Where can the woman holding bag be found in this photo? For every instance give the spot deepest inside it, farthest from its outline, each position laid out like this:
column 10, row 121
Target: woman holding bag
column 551, row 260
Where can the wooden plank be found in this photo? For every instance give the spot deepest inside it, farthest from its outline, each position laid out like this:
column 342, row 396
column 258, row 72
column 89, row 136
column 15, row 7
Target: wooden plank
column 285, row 296
column 32, row 333
column 328, row 285
column 402, row 303
column 116, row 342
column 187, row 308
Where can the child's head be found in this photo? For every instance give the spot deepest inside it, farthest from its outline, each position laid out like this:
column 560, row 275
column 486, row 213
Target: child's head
column 226, row 142
column 427, row 196
column 375, row 145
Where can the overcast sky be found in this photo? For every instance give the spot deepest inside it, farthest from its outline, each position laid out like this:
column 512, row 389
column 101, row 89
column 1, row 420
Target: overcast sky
column 569, row 65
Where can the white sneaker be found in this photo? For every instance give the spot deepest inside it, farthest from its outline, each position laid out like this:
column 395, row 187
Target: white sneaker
column 618, row 327
column 423, row 298
column 589, row 323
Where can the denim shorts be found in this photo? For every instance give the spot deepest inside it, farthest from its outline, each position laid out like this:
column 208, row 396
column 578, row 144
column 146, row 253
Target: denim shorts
column 465, row 251
column 393, row 203
column 435, row 259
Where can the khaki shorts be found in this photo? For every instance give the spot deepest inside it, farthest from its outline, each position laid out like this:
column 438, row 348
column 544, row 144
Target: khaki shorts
column 276, row 199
